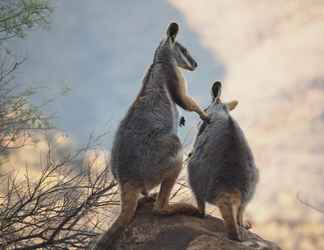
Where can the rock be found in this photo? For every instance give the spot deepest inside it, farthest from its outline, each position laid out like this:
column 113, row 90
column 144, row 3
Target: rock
column 180, row 232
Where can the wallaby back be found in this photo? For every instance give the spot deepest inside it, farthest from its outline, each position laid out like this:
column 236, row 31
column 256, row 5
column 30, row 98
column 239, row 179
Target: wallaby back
column 222, row 160
column 222, row 169
column 138, row 152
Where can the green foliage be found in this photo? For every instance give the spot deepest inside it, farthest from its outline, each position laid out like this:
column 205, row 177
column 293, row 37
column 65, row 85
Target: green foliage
column 17, row 115
column 19, row 16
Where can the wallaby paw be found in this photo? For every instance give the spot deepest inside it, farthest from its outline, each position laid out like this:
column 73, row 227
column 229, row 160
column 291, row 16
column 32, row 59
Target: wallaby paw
column 205, row 118
column 182, row 122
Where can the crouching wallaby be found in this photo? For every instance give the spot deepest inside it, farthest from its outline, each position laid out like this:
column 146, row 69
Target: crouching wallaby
column 221, row 167
column 146, row 150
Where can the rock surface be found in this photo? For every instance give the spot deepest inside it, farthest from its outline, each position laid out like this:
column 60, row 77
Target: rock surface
column 179, row 232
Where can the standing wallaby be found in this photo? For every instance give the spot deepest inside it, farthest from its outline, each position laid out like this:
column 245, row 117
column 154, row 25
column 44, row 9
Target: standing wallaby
column 147, row 151
column 221, row 167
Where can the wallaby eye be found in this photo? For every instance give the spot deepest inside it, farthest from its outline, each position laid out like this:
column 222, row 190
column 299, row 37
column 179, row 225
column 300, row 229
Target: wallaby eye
column 184, row 51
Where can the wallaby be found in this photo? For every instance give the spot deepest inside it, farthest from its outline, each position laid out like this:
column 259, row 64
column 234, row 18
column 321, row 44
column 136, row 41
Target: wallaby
column 221, row 167
column 147, row 151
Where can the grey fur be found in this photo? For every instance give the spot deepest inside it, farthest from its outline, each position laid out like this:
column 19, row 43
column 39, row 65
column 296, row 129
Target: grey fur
column 146, row 144
column 147, row 151
column 138, row 152
column 222, row 160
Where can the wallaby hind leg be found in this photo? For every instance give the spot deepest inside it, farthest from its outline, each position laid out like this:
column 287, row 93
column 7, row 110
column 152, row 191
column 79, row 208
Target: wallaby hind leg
column 162, row 206
column 228, row 204
column 247, row 224
column 128, row 196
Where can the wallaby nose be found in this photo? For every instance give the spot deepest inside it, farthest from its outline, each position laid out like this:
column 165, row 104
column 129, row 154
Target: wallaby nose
column 195, row 64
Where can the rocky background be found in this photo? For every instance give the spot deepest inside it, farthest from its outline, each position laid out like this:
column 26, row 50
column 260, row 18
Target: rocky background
column 272, row 54
column 268, row 54
column 181, row 232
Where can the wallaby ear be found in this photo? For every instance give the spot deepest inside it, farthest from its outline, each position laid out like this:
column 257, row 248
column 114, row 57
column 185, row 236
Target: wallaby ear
column 173, row 30
column 231, row 105
column 216, row 90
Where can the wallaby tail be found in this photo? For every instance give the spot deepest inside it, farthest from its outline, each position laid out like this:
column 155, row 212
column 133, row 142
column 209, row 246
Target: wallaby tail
column 229, row 204
column 129, row 196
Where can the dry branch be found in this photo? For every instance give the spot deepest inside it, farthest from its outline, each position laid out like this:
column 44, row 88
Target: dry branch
column 62, row 209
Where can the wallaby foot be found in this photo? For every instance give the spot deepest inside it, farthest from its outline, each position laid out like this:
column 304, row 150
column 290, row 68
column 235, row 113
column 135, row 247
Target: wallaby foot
column 245, row 224
column 234, row 236
column 229, row 204
column 129, row 195
column 177, row 208
column 201, row 208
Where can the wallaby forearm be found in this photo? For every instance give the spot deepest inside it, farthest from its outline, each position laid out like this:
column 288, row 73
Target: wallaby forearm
column 189, row 104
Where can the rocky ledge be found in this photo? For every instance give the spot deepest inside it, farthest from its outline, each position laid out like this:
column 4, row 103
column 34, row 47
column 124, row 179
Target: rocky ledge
column 179, row 232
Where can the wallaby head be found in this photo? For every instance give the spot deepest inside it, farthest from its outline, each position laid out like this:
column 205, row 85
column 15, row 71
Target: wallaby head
column 171, row 51
column 216, row 94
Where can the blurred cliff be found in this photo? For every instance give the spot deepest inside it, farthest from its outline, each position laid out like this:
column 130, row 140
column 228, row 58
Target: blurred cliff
column 268, row 54
column 272, row 54
column 180, row 232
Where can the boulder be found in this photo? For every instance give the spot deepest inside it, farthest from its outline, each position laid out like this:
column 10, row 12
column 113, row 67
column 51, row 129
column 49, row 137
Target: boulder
column 180, row 232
